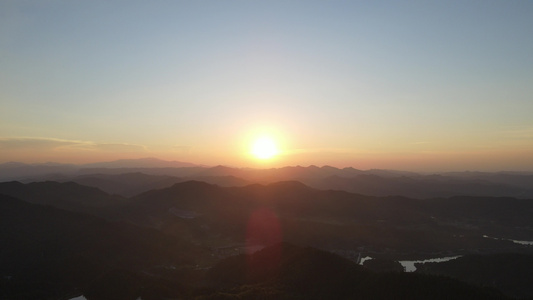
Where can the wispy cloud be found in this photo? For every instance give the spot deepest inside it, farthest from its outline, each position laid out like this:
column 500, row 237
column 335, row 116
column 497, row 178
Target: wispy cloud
column 51, row 144
column 30, row 143
column 115, row 147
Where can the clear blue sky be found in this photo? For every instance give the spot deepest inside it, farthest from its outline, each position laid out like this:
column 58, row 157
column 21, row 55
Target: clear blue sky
column 417, row 85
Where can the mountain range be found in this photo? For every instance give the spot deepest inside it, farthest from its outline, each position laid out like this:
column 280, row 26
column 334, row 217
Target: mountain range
column 155, row 233
column 213, row 215
column 131, row 177
column 50, row 253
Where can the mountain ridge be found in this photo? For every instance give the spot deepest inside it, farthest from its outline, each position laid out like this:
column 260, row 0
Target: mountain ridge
column 220, row 221
column 371, row 182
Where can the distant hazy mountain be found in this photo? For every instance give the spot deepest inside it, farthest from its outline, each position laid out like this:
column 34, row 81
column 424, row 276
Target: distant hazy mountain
column 128, row 184
column 20, row 171
column 69, row 196
column 17, row 171
column 426, row 186
column 518, row 179
column 131, row 184
column 111, row 177
column 149, row 162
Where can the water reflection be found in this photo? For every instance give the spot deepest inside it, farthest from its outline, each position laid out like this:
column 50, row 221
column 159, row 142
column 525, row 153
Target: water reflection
column 409, row 265
column 528, row 243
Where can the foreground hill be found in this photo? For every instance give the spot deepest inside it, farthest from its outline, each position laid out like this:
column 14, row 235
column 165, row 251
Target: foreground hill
column 220, row 216
column 285, row 271
column 508, row 272
column 335, row 219
column 181, row 230
column 47, row 253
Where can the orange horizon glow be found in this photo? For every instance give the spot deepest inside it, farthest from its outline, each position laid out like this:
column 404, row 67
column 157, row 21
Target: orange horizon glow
column 494, row 160
column 202, row 87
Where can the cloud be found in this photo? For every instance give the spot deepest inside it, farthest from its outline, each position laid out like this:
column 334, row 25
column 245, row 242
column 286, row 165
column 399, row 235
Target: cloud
column 51, row 144
column 29, row 143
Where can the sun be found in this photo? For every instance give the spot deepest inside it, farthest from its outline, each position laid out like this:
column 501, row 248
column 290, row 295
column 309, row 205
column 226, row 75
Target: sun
column 264, row 148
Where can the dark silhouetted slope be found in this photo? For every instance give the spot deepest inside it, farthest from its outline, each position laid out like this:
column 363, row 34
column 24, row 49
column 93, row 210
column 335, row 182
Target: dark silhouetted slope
column 128, row 184
column 510, row 273
column 289, row 272
column 69, row 195
column 47, row 253
column 336, row 218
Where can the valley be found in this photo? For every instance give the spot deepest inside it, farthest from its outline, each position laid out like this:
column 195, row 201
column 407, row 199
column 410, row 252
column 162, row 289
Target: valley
column 179, row 233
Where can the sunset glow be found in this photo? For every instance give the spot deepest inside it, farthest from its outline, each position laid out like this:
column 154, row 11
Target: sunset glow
column 344, row 83
column 266, row 149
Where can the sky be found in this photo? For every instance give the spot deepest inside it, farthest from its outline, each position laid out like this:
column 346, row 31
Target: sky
column 408, row 85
